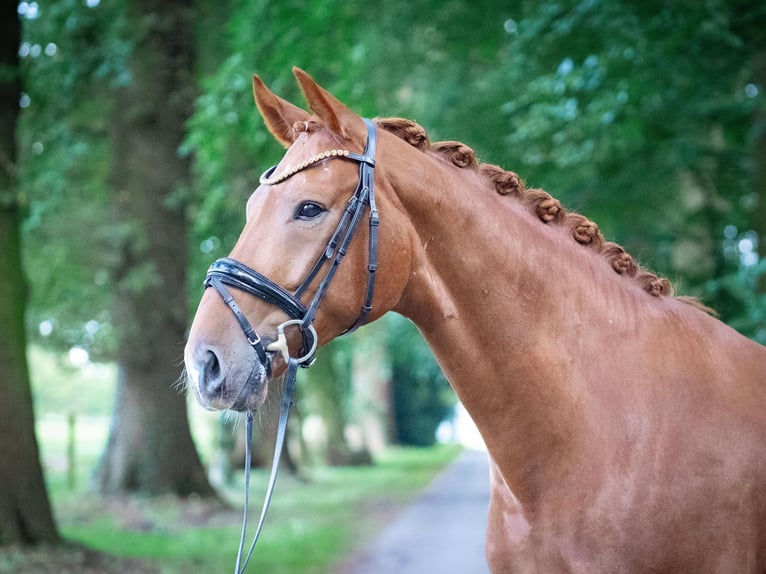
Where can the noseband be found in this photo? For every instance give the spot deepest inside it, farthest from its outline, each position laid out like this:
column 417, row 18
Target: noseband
column 230, row 272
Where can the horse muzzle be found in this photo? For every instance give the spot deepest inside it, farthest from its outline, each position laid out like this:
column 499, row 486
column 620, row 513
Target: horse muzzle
column 221, row 383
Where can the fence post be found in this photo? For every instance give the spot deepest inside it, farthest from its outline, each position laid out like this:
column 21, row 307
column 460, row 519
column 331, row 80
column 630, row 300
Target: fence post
column 71, row 475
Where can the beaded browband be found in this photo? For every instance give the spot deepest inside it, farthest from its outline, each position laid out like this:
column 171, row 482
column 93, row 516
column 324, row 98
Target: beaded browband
column 267, row 179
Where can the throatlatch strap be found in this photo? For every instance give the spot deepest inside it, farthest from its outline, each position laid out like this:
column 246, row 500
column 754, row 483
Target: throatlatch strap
column 284, row 413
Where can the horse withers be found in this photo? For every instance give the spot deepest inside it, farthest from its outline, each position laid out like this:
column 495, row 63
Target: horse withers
column 626, row 427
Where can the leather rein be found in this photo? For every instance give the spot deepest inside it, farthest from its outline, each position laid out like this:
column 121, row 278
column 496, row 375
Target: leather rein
column 229, row 272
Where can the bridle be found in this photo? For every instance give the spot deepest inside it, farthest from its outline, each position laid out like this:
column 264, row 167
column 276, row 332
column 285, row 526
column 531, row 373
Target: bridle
column 229, row 272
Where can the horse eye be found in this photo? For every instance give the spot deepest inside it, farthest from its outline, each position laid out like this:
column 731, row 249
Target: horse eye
column 309, row 210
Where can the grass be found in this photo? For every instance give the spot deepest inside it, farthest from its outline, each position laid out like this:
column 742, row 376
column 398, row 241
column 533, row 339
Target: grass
column 315, row 520
column 312, row 523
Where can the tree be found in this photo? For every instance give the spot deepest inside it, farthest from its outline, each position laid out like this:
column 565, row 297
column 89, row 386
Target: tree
column 25, row 515
column 655, row 105
column 421, row 394
column 327, row 388
column 150, row 448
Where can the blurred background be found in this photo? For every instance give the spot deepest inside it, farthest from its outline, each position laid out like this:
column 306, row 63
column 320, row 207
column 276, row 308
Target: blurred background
column 129, row 144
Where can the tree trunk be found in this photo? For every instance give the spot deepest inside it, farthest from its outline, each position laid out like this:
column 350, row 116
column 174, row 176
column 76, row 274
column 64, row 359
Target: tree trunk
column 371, row 381
column 150, row 448
column 25, row 514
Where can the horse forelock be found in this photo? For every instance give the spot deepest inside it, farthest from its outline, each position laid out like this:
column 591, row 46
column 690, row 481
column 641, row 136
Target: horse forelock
column 547, row 208
column 308, row 126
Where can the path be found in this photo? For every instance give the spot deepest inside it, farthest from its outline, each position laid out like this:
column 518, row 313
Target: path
column 442, row 532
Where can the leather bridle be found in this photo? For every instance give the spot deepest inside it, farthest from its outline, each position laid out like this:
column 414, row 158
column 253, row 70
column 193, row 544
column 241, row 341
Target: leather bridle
column 229, row 272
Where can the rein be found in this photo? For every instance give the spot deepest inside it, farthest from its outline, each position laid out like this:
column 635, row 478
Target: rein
column 227, row 271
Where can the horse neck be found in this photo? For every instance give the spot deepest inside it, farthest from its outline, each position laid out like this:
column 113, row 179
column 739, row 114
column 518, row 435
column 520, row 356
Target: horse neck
column 503, row 300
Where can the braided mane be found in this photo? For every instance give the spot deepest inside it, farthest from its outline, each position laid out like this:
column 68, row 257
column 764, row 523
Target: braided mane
column 547, row 208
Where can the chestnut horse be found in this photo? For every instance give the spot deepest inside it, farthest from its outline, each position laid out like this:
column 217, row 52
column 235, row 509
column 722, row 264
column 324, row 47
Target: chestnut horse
column 626, row 427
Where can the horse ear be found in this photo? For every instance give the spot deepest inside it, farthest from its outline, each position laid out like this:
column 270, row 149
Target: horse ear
column 336, row 116
column 278, row 114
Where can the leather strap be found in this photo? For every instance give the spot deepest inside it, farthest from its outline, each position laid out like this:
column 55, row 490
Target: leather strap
column 284, row 413
column 239, row 275
column 252, row 336
column 364, row 195
column 372, row 263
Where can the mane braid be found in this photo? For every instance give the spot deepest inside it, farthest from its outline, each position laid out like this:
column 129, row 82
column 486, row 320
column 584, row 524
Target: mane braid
column 547, row 208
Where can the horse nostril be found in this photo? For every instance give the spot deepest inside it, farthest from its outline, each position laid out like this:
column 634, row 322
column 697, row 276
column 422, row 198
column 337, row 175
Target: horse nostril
column 211, row 374
column 212, row 365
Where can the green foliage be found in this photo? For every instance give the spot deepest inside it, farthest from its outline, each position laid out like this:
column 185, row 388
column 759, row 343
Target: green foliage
column 326, row 390
column 649, row 105
column 411, row 59
column 745, row 303
column 71, row 55
column 422, row 398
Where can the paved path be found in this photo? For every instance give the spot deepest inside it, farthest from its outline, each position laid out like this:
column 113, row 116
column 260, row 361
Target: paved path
column 442, row 532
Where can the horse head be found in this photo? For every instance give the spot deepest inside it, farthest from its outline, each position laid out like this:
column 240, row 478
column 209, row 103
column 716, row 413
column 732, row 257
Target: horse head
column 283, row 290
